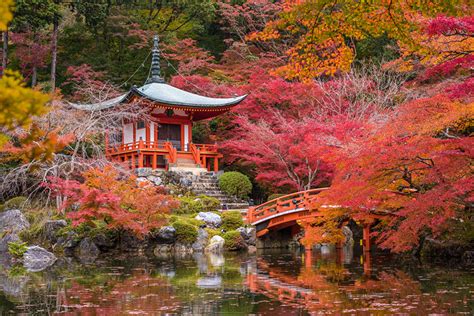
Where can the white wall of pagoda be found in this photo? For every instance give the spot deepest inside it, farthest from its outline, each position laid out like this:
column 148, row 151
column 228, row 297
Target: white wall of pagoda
column 128, row 133
column 141, row 133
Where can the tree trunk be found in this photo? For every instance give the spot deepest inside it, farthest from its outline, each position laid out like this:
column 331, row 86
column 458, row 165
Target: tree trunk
column 5, row 52
column 34, row 76
column 54, row 53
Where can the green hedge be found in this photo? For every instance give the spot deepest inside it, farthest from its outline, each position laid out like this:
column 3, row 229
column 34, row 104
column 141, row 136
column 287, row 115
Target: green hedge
column 236, row 184
column 196, row 204
column 232, row 220
column 185, row 232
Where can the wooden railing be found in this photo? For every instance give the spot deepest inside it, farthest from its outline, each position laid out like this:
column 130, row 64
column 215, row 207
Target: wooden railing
column 206, row 147
column 196, row 153
column 298, row 200
column 172, row 152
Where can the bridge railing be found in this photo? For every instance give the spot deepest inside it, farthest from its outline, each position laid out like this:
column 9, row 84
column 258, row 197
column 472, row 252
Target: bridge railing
column 298, row 200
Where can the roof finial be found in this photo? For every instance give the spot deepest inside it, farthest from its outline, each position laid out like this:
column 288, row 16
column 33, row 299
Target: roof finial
column 155, row 73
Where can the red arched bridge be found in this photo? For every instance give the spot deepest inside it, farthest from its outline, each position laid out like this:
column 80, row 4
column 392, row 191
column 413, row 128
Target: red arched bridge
column 285, row 211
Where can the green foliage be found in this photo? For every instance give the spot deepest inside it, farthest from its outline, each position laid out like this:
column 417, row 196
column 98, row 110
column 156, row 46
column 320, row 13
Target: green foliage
column 13, row 203
column 17, row 271
column 195, row 204
column 233, row 240
column 236, row 184
column 274, row 196
column 211, row 232
column 232, row 220
column 17, row 248
column 185, row 232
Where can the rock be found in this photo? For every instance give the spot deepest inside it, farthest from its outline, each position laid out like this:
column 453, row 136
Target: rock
column 155, row 180
column 51, row 228
column 37, row 259
column 143, row 172
column 251, row 249
column 216, row 244
column 216, row 259
column 211, row 219
column 201, row 240
column 161, row 249
column 249, row 234
column 87, row 251
column 102, row 241
column 13, row 221
column 166, row 234
column 349, row 238
column 69, row 241
column 209, row 282
column 182, row 249
column 468, row 258
column 7, row 239
column 185, row 182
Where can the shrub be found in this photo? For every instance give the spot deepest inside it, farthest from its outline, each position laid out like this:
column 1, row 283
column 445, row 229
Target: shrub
column 275, row 196
column 232, row 220
column 233, row 240
column 196, row 204
column 17, row 248
column 13, row 203
column 236, row 184
column 185, row 232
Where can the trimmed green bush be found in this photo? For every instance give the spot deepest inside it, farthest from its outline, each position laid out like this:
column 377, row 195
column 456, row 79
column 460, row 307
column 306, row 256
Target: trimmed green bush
column 275, row 196
column 233, row 240
column 185, row 232
column 196, row 204
column 13, row 203
column 236, row 184
column 231, row 220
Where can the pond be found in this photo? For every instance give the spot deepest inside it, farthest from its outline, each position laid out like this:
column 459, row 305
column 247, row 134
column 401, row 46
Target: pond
column 269, row 283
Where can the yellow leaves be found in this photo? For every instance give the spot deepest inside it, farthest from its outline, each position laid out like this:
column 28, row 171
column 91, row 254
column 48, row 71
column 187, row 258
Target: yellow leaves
column 5, row 13
column 18, row 104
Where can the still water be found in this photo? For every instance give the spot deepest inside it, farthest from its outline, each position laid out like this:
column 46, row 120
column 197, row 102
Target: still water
column 278, row 283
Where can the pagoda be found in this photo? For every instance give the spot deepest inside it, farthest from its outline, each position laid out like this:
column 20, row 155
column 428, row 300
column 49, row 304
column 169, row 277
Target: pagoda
column 164, row 141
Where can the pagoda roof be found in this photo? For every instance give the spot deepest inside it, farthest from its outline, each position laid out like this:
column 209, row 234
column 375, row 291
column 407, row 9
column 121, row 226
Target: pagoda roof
column 165, row 94
column 157, row 91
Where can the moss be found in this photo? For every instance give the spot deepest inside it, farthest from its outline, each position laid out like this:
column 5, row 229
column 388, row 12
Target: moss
column 185, row 232
column 233, row 240
column 232, row 220
column 194, row 204
column 213, row 232
column 14, row 203
column 236, row 184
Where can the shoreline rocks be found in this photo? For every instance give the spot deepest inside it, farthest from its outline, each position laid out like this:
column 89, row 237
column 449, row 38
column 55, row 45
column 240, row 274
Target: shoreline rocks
column 37, row 259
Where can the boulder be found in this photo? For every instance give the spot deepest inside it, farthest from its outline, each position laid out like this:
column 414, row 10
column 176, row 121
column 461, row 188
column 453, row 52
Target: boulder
column 7, row 239
column 13, row 221
column 211, row 219
column 182, row 249
column 201, row 240
column 468, row 258
column 251, row 249
column 166, row 234
column 249, row 234
column 209, row 282
column 87, row 251
column 216, row 259
column 216, row 244
column 155, row 180
column 37, row 259
column 69, row 241
column 51, row 228
column 102, row 241
column 143, row 172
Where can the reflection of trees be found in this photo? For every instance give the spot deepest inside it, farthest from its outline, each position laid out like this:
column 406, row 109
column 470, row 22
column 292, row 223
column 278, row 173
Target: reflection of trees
column 329, row 287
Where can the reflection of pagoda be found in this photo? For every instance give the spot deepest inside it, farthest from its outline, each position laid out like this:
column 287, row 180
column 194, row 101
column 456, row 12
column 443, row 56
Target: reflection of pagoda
column 165, row 141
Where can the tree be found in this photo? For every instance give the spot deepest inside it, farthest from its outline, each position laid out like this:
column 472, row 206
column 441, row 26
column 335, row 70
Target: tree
column 119, row 203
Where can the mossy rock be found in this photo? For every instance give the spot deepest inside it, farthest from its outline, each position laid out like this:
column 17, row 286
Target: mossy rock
column 185, row 233
column 231, row 220
column 14, row 203
column 234, row 241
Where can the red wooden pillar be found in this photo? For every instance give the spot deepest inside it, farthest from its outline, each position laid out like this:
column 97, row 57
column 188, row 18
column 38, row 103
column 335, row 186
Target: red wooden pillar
column 134, row 133
column 182, row 137
column 147, row 134
column 154, row 162
column 366, row 237
column 216, row 164
column 140, row 153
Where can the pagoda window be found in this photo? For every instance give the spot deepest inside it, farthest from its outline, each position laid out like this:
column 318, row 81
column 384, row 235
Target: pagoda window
column 140, row 124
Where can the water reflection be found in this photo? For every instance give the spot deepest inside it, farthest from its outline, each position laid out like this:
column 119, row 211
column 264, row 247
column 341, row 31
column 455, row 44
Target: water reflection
column 294, row 283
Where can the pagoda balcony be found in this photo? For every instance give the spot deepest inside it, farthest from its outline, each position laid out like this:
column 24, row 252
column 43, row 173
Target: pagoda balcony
column 163, row 155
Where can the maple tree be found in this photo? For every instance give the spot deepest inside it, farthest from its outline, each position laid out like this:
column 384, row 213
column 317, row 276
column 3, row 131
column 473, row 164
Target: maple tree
column 116, row 201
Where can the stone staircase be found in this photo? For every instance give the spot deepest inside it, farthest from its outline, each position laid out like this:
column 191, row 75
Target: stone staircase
column 207, row 183
column 187, row 165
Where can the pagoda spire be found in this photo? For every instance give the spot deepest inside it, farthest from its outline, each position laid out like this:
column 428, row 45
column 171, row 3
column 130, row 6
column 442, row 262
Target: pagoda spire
column 155, row 73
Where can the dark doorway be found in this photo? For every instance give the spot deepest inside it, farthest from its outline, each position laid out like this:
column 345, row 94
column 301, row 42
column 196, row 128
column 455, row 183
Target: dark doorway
column 170, row 133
